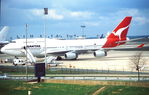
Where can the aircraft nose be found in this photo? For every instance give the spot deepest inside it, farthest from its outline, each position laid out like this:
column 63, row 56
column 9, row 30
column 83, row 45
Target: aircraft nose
column 3, row 50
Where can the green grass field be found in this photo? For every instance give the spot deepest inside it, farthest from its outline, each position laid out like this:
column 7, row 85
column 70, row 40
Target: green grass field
column 9, row 87
column 125, row 90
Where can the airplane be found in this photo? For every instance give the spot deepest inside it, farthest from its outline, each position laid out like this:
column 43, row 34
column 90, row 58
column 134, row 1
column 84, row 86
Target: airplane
column 70, row 49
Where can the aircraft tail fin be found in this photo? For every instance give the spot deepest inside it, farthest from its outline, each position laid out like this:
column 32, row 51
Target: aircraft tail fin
column 3, row 33
column 118, row 34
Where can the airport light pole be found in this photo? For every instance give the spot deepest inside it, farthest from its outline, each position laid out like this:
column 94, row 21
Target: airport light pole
column 26, row 28
column 45, row 34
column 83, row 26
column 0, row 12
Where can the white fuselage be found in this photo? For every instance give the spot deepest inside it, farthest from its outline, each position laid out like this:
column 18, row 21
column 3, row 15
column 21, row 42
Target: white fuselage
column 53, row 46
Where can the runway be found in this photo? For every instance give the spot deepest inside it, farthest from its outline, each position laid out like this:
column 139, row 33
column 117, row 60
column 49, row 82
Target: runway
column 115, row 66
column 114, row 61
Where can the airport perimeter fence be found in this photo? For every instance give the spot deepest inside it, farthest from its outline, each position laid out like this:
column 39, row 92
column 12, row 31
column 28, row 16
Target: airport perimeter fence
column 75, row 77
column 19, row 73
column 58, row 70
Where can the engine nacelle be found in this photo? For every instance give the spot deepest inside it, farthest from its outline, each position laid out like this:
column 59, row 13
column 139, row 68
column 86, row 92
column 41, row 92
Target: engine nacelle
column 100, row 53
column 71, row 55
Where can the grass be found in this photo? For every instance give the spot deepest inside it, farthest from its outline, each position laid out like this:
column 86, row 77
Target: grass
column 125, row 90
column 64, row 89
column 9, row 87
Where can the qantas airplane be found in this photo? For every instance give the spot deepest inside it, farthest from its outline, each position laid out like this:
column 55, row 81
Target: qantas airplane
column 70, row 49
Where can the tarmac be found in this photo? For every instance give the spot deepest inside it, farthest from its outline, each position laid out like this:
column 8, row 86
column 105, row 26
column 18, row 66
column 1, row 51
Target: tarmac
column 115, row 61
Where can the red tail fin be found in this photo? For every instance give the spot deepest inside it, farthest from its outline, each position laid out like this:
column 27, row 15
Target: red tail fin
column 118, row 34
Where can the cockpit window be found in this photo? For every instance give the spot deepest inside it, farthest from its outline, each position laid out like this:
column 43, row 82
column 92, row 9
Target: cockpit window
column 12, row 41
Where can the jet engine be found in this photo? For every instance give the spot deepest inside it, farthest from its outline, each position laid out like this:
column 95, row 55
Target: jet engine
column 100, row 53
column 71, row 55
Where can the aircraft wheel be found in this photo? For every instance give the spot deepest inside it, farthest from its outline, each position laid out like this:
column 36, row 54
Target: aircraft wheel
column 14, row 64
column 59, row 58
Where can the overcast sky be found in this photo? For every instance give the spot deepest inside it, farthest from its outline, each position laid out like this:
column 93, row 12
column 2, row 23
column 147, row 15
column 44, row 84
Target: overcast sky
column 66, row 16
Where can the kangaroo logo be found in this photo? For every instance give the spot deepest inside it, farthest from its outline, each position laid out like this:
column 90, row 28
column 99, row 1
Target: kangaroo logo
column 119, row 32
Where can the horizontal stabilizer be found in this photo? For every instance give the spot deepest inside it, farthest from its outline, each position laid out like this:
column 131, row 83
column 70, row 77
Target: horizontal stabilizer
column 140, row 46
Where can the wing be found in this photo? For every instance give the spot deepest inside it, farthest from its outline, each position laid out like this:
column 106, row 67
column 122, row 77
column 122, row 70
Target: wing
column 61, row 52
